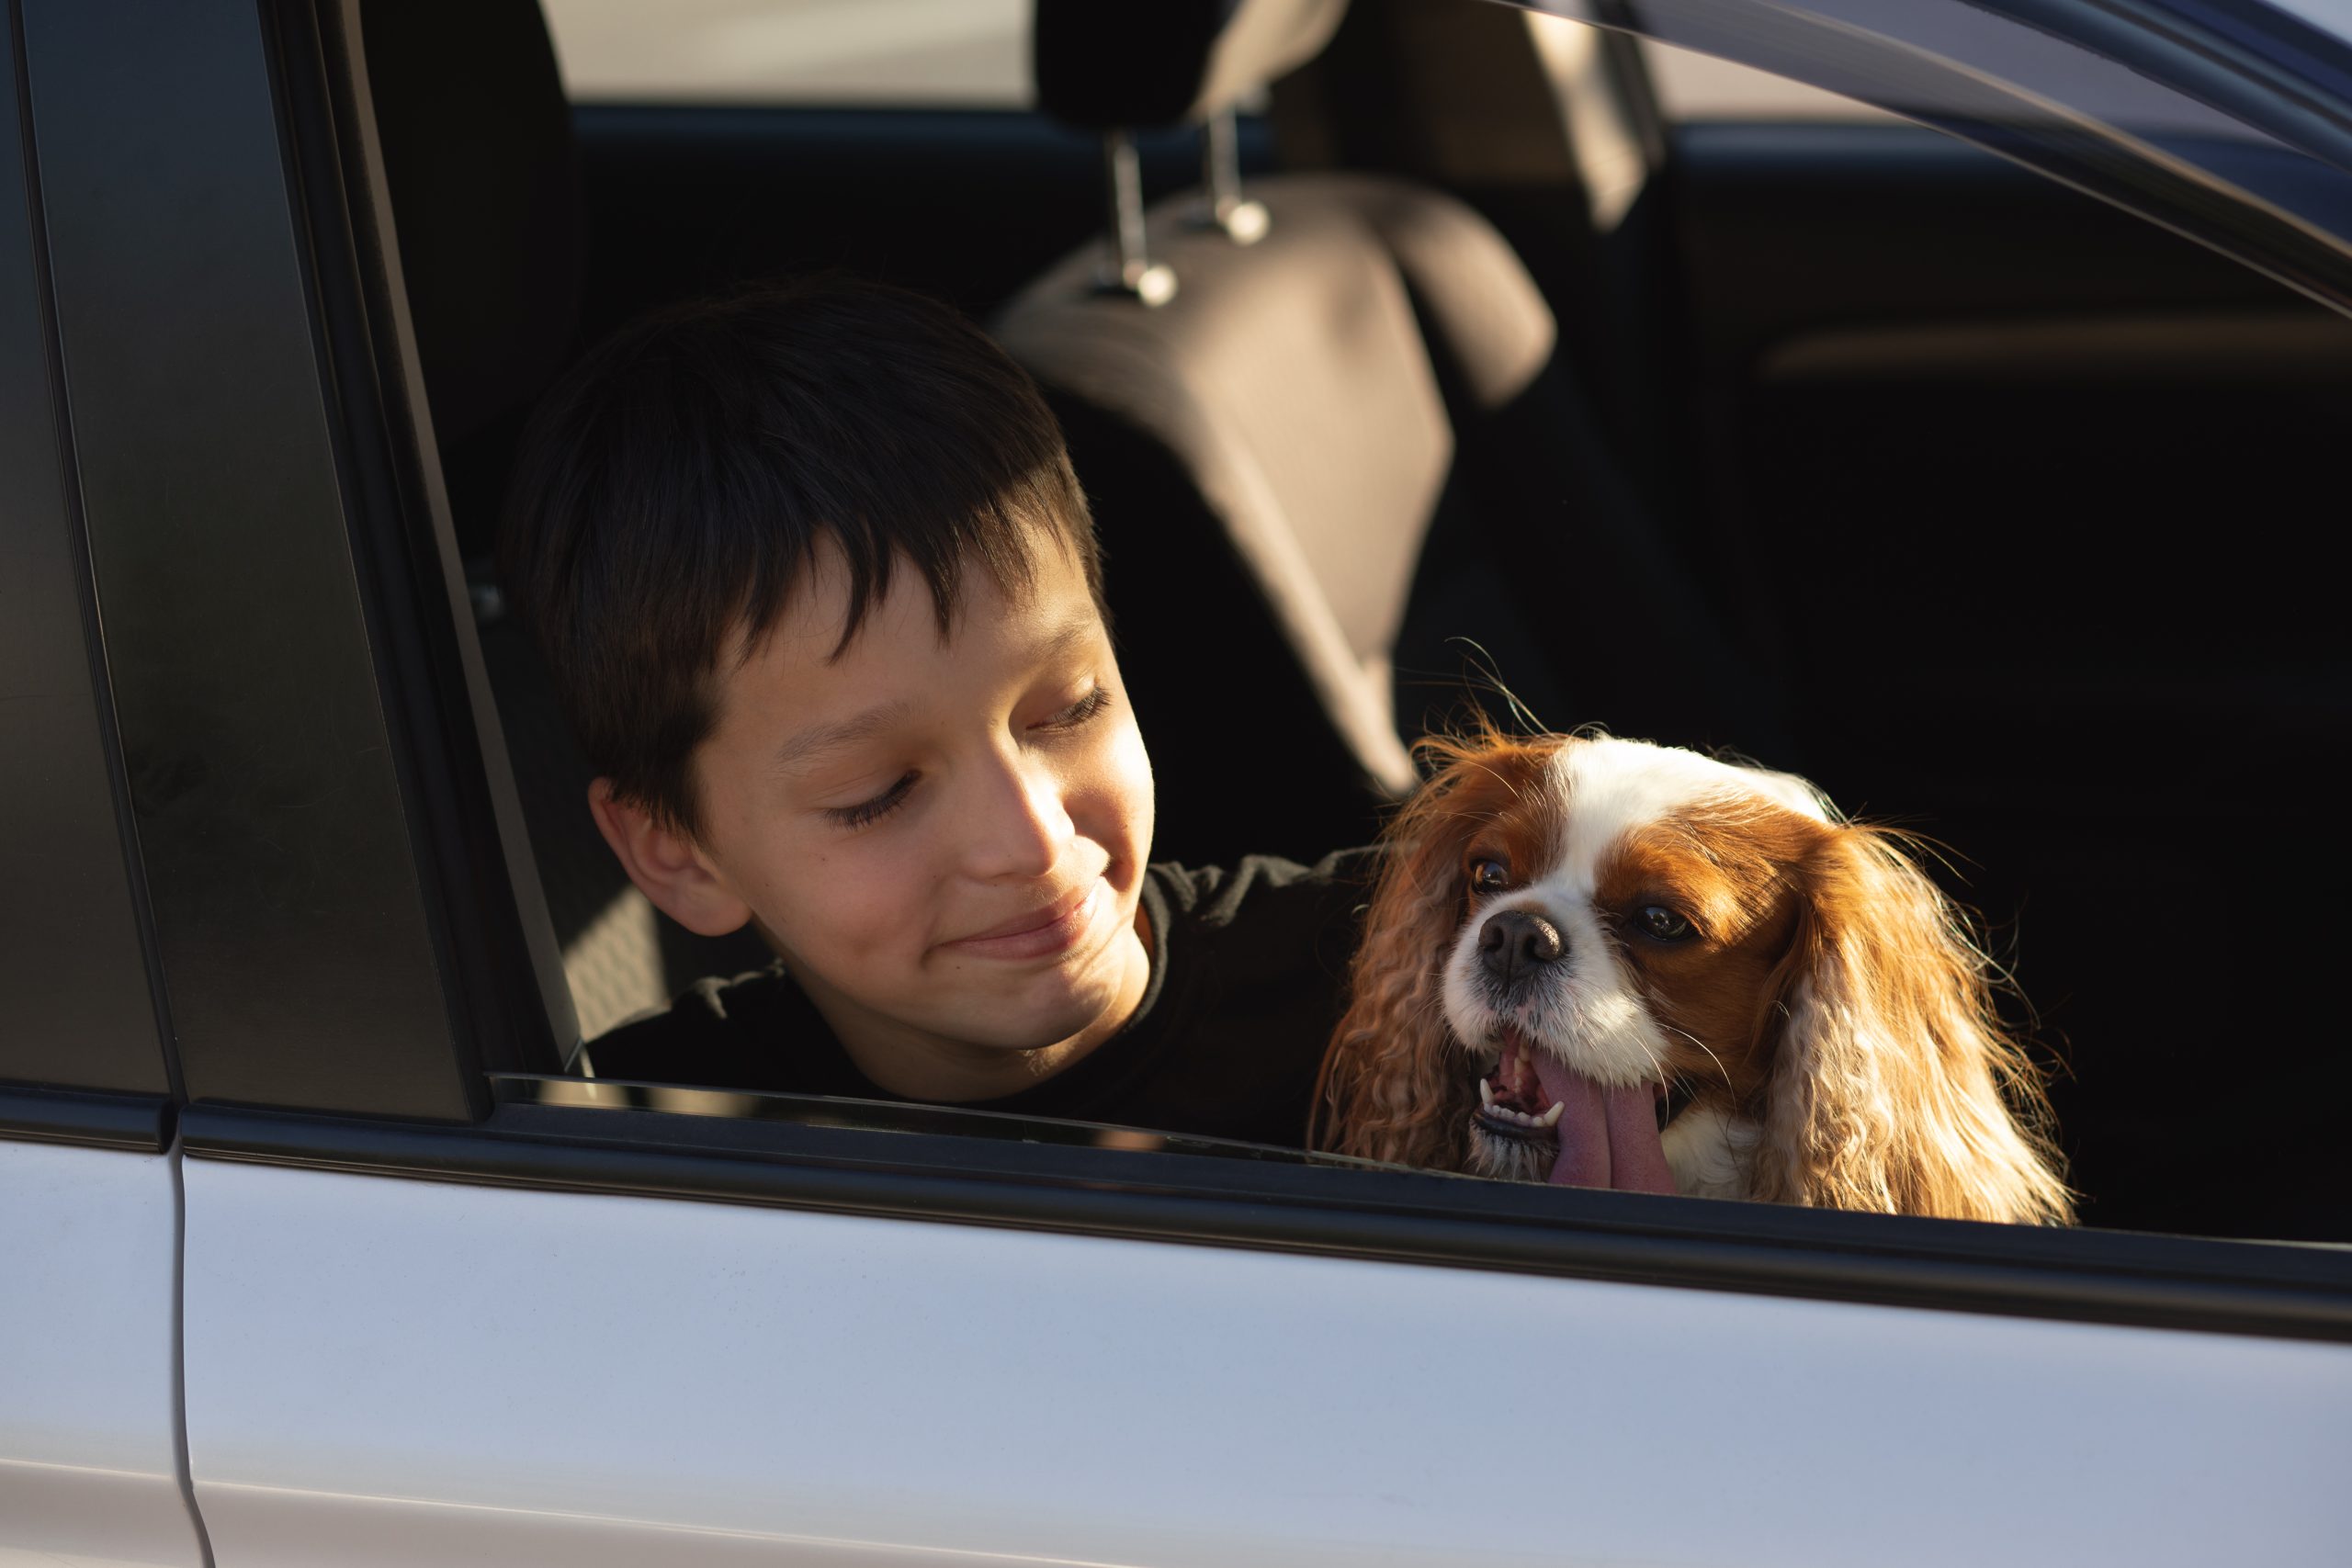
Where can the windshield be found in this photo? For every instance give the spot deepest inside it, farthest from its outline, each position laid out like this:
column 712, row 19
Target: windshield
column 2224, row 120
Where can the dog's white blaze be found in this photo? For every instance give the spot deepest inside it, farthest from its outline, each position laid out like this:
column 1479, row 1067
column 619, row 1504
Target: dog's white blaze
column 1594, row 1018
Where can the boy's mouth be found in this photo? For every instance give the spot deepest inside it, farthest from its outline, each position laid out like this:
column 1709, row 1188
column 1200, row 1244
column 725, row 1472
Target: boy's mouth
column 1039, row 932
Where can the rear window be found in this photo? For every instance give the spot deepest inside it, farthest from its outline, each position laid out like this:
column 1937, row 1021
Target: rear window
column 899, row 53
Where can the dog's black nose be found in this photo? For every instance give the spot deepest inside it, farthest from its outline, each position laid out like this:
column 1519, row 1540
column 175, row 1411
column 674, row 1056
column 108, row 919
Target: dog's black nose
column 1513, row 943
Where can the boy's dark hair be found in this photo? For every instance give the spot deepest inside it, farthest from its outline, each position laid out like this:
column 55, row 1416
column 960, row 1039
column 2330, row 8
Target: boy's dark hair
column 672, row 489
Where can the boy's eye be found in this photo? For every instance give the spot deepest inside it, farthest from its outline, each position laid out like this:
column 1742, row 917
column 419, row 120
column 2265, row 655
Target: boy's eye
column 867, row 811
column 1079, row 712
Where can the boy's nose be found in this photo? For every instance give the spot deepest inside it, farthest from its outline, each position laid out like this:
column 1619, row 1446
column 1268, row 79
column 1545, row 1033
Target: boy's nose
column 1025, row 827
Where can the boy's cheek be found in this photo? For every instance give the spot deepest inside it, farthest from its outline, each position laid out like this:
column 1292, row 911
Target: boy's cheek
column 806, row 898
column 1132, row 784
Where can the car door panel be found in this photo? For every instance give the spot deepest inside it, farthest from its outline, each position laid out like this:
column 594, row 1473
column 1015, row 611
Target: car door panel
column 395, row 1371
column 89, row 1419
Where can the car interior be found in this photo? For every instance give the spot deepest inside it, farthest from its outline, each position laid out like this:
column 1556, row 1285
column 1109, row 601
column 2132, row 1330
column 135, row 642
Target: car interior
column 1836, row 444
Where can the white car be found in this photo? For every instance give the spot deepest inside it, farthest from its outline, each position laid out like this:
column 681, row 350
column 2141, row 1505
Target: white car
column 2009, row 479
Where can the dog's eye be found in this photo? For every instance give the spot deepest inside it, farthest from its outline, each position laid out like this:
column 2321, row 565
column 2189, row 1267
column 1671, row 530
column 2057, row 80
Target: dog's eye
column 1662, row 924
column 1489, row 876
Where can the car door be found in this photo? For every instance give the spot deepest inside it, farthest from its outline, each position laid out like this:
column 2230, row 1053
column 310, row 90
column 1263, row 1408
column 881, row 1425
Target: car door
column 845, row 1361
column 441, row 1300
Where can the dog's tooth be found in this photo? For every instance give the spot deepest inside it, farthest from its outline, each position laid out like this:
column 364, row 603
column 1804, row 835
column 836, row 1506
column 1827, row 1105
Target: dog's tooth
column 1552, row 1117
column 1485, row 1094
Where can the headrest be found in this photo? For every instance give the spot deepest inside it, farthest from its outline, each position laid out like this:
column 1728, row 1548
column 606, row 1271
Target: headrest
column 1102, row 65
column 484, row 183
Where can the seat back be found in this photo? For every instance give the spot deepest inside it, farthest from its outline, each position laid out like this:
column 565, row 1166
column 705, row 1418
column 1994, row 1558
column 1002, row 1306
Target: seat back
column 1341, row 473
column 1268, row 453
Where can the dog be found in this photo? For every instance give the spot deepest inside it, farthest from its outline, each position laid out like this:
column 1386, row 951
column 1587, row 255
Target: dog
column 1602, row 962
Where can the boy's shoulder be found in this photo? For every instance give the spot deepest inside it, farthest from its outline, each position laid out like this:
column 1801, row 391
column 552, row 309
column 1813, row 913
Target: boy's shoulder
column 726, row 1030
column 1260, row 886
column 1264, row 918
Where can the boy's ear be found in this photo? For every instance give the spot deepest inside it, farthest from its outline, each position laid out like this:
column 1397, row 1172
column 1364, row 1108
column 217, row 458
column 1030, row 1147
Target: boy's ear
column 666, row 867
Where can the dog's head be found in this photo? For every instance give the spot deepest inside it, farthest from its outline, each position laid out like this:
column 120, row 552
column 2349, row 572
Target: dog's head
column 1608, row 964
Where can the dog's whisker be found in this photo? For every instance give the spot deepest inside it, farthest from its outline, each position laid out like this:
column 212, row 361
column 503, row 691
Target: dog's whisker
column 1703, row 1045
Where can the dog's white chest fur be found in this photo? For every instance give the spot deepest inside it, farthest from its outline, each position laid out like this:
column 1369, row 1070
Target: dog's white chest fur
column 1712, row 1152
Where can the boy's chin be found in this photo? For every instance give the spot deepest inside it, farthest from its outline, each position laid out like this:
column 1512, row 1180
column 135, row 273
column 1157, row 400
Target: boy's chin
column 1055, row 1004
column 1039, row 1022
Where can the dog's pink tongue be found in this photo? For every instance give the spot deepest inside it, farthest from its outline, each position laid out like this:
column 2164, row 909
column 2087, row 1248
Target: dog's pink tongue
column 1607, row 1136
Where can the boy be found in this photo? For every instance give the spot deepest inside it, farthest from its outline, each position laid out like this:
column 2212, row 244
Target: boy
column 821, row 594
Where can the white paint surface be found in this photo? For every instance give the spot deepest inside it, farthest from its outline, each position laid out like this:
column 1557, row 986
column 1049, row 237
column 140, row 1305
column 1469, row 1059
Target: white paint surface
column 88, row 1469
column 392, row 1372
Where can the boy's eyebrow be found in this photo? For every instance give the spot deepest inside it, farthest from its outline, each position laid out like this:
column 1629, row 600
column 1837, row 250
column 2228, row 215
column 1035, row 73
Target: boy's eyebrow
column 809, row 746
column 1072, row 635
column 813, row 742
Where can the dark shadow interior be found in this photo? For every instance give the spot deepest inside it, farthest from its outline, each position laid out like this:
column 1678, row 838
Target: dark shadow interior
column 2005, row 512
column 2030, row 498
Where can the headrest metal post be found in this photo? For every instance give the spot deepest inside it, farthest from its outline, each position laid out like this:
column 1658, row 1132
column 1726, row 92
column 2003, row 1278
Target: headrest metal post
column 1131, row 270
column 1244, row 222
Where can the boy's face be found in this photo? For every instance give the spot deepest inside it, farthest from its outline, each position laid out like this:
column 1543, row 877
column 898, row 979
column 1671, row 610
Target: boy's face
column 943, row 838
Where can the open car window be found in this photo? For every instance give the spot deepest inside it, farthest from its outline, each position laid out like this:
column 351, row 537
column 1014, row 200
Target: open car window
column 414, row 1014
column 2191, row 145
column 2197, row 148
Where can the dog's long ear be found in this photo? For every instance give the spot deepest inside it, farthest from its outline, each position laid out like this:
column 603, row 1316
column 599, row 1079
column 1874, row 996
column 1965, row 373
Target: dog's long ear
column 1393, row 1086
column 1895, row 1088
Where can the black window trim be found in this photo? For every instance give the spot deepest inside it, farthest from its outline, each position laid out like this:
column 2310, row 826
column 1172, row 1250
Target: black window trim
column 399, row 600
column 508, row 997
column 65, row 1102
column 211, row 492
column 142, row 1123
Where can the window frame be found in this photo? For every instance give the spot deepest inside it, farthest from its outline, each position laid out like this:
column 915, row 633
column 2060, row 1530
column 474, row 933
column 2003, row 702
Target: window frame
column 308, row 203
column 252, row 484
